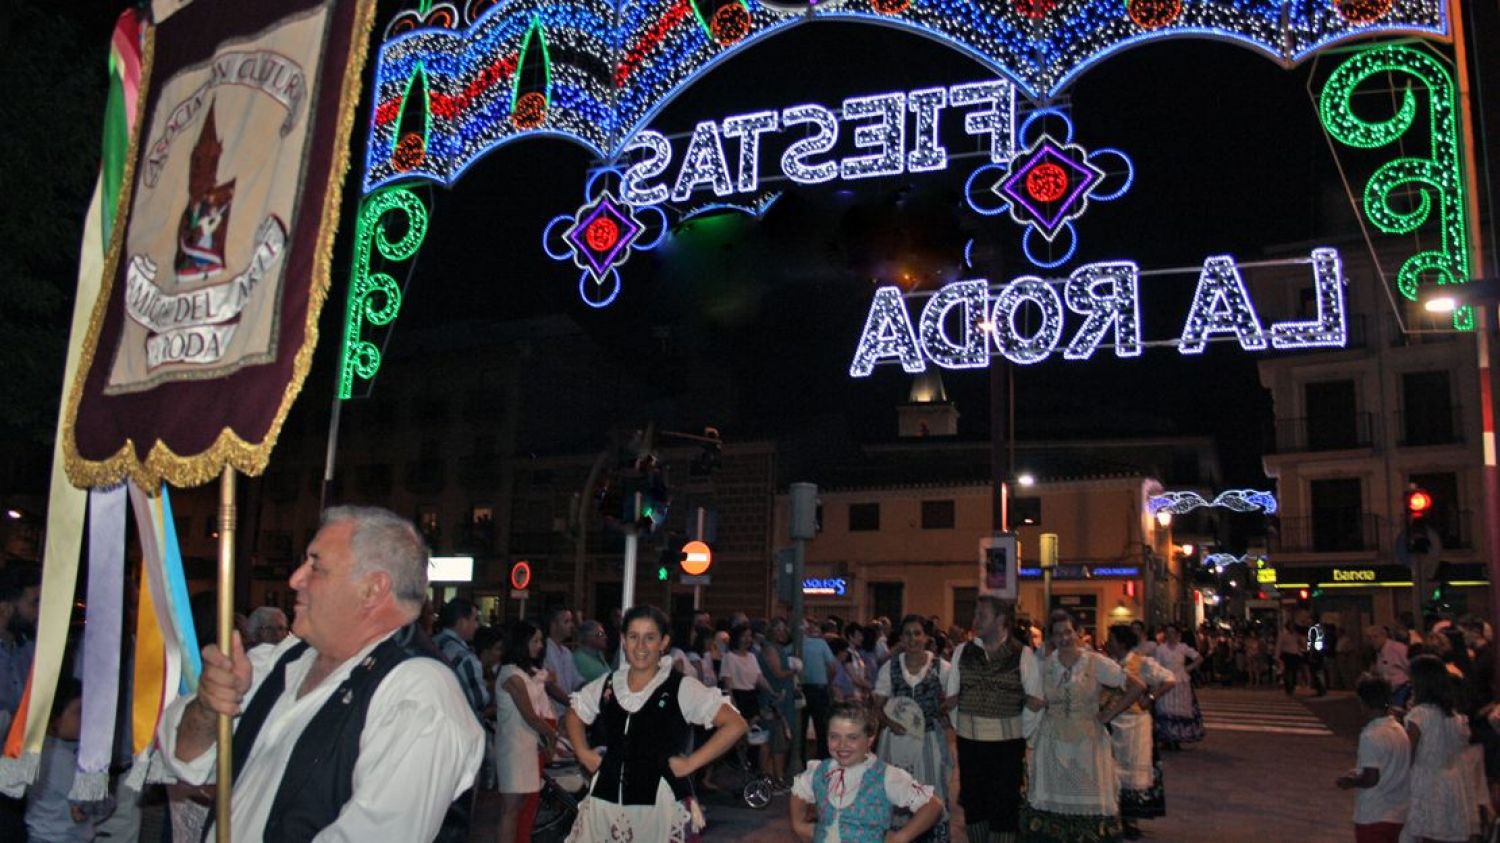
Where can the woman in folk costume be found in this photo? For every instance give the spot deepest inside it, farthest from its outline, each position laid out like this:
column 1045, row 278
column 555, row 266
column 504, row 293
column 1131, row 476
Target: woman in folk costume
column 645, row 711
column 1141, row 793
column 1074, row 791
column 912, row 683
column 854, row 797
column 1177, row 718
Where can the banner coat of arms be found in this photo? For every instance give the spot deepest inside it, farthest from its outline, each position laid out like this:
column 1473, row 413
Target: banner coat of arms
column 206, row 322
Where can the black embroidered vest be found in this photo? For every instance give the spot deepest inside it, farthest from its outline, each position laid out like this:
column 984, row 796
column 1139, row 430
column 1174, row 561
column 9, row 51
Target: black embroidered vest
column 991, row 687
column 319, row 776
column 639, row 745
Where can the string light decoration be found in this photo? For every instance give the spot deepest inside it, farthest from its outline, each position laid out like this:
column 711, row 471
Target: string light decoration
column 615, row 65
column 703, row 163
column 1238, row 500
column 375, row 297
column 927, row 154
column 824, row 134
column 1438, row 177
column 427, row 15
column 599, row 238
column 1046, row 186
column 887, row 333
column 755, row 210
column 1329, row 328
column 415, row 107
column 1363, row 11
column 971, row 350
column 1107, row 295
column 1221, row 304
column 887, row 134
column 1153, row 14
column 1009, row 340
column 530, row 97
column 748, row 128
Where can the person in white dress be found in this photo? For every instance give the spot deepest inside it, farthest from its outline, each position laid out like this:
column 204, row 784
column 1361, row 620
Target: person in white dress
column 1142, row 795
column 854, row 797
column 918, row 676
column 638, row 790
column 522, row 732
column 1177, row 719
column 1440, row 807
column 1074, row 788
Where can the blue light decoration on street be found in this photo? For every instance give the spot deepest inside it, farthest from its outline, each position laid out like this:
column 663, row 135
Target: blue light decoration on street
column 598, row 239
column 1048, row 184
column 1237, row 500
column 611, row 67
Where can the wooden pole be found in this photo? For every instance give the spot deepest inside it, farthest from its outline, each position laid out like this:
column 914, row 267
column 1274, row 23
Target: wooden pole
column 227, row 517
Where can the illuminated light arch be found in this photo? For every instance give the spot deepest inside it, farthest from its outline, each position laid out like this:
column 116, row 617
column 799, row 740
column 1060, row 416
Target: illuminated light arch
column 616, row 68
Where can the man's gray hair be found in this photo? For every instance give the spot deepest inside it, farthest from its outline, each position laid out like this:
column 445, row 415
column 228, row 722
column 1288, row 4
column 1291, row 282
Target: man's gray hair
column 384, row 541
column 262, row 617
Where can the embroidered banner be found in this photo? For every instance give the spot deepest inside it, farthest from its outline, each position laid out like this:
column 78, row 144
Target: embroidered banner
column 214, row 282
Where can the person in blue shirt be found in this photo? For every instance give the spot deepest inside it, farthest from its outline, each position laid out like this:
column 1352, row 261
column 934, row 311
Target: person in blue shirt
column 818, row 669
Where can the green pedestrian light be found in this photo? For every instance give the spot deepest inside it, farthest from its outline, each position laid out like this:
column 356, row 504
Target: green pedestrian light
column 662, row 574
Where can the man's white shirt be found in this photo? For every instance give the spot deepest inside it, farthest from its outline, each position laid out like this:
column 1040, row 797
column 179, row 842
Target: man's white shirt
column 420, row 749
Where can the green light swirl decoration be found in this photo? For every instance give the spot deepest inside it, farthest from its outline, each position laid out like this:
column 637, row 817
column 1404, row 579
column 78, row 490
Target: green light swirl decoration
column 375, row 297
column 1440, row 175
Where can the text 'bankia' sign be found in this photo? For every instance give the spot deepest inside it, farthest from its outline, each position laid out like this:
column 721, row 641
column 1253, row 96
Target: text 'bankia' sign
column 876, row 123
column 962, row 324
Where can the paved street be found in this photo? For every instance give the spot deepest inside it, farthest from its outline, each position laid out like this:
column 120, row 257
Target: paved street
column 1265, row 772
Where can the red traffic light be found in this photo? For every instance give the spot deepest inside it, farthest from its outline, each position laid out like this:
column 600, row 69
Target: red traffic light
column 1301, row 594
column 1418, row 503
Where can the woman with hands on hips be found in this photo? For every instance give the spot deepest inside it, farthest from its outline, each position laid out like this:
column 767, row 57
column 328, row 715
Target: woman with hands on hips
column 639, row 786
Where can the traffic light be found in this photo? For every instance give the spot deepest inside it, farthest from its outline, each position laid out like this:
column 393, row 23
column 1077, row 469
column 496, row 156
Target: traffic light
column 1302, row 594
column 1418, row 505
column 663, row 573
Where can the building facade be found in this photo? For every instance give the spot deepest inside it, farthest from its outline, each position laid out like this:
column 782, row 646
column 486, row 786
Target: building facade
column 1358, row 427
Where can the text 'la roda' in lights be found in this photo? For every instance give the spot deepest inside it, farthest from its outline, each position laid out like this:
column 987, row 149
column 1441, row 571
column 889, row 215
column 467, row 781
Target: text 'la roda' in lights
column 1106, row 295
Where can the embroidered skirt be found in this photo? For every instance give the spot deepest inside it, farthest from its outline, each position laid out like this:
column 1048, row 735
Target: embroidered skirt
column 1039, row 826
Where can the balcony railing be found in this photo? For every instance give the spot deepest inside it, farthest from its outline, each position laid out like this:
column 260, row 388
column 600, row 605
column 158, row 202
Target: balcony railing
column 1455, row 527
column 1333, row 532
column 1436, row 425
column 1323, row 433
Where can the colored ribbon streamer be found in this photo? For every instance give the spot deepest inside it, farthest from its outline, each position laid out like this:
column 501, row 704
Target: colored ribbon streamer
column 177, row 592
column 157, row 680
column 101, row 642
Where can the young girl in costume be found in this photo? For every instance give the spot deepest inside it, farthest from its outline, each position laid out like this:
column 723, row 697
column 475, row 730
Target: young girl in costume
column 853, row 796
column 645, row 712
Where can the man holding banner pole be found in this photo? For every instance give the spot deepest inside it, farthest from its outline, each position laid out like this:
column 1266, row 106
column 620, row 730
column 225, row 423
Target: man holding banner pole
column 348, row 725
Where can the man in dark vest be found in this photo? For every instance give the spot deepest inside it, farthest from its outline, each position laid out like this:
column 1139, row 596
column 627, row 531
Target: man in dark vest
column 347, row 725
column 986, row 696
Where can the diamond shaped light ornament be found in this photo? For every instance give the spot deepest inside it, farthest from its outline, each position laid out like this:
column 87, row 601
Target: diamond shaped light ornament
column 602, row 234
column 599, row 237
column 1048, row 185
